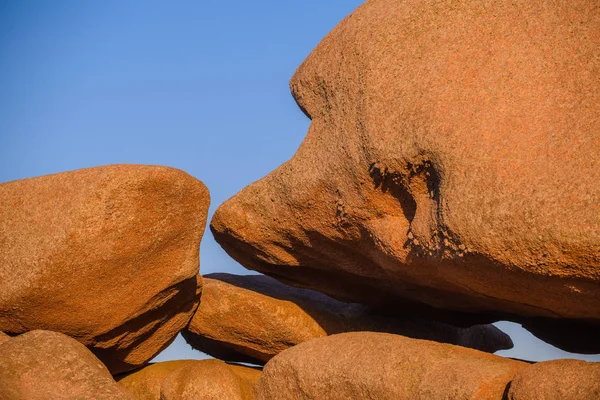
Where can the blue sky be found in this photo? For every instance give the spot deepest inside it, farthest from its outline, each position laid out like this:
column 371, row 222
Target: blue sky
column 197, row 85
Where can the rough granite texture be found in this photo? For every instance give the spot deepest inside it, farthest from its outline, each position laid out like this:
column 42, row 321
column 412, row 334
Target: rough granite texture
column 42, row 365
column 452, row 161
column 254, row 317
column 145, row 383
column 557, row 380
column 367, row 365
column 106, row 255
column 4, row 338
column 210, row 380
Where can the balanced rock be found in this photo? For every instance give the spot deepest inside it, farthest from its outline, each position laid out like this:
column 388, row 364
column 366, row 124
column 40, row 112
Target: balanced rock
column 253, row 318
column 107, row 255
column 210, row 380
column 453, row 161
column 557, row 380
column 42, row 365
column 145, row 383
column 367, row 365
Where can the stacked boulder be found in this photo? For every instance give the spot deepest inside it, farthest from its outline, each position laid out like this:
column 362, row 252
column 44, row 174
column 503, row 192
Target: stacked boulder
column 41, row 365
column 448, row 180
column 253, row 318
column 450, row 167
column 450, row 172
column 107, row 255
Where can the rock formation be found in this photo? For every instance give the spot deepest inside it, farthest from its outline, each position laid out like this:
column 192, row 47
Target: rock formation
column 277, row 316
column 367, row 365
column 210, row 380
column 557, row 380
column 449, row 179
column 107, row 255
column 451, row 164
column 42, row 365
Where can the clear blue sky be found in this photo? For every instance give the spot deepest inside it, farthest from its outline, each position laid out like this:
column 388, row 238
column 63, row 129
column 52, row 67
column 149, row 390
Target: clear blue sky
column 197, row 85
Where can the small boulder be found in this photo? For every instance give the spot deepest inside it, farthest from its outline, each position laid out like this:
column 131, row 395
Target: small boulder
column 557, row 380
column 42, row 365
column 210, row 380
column 145, row 383
column 367, row 365
column 106, row 255
column 277, row 316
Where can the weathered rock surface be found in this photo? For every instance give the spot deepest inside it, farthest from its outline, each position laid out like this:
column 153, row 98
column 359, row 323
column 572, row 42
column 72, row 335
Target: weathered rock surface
column 452, row 161
column 4, row 338
column 210, row 380
column 366, row 365
column 253, row 318
column 42, row 365
column 107, row 255
column 557, row 380
column 145, row 383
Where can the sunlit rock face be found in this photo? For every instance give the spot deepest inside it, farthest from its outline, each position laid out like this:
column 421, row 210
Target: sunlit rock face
column 41, row 365
column 370, row 365
column 106, row 255
column 452, row 162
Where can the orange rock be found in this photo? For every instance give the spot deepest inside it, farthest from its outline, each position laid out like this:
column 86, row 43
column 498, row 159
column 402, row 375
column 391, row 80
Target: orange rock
column 452, row 161
column 253, row 318
column 107, row 255
column 145, row 383
column 210, row 380
column 42, row 365
column 367, row 365
column 557, row 380
column 4, row 338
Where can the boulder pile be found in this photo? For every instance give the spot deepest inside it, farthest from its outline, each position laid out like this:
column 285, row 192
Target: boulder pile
column 449, row 180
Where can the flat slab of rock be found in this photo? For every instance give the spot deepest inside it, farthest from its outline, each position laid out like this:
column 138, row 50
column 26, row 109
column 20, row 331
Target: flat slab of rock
column 42, row 365
column 366, row 365
column 452, row 161
column 210, row 380
column 107, row 255
column 252, row 318
column 557, row 380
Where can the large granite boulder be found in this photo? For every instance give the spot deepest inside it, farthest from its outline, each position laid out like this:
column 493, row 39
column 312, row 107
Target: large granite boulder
column 42, row 365
column 211, row 380
column 367, row 365
column 557, row 380
column 452, row 162
column 276, row 316
column 107, row 255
